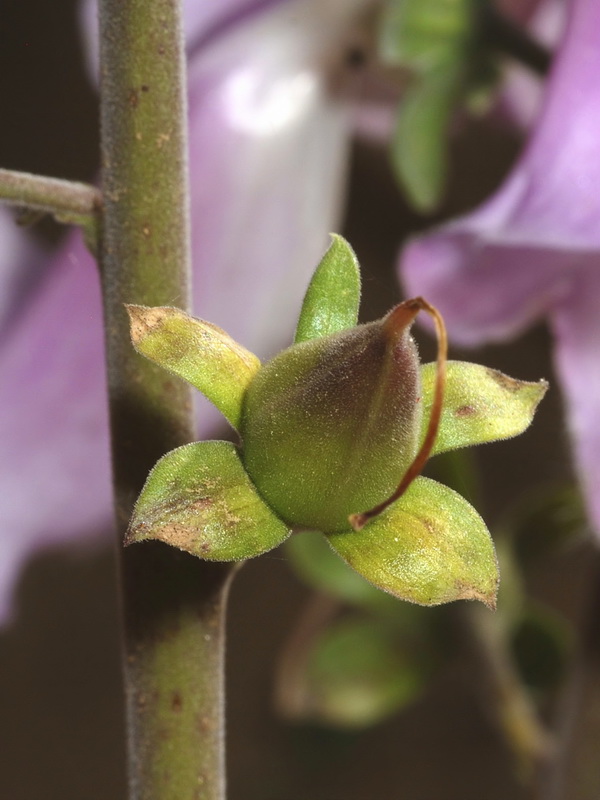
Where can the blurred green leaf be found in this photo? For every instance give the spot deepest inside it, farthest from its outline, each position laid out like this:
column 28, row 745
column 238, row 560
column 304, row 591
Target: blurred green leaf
column 443, row 44
column 480, row 405
column 319, row 566
column 199, row 498
column 459, row 470
column 420, row 139
column 358, row 674
column 511, row 594
column 426, row 34
column 197, row 351
column 546, row 521
column 429, row 547
column 333, row 296
column 541, row 644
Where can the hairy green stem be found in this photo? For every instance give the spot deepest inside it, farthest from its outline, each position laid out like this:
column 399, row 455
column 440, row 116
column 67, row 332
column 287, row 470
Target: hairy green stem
column 51, row 195
column 68, row 201
column 293, row 698
column 574, row 775
column 173, row 604
column 505, row 695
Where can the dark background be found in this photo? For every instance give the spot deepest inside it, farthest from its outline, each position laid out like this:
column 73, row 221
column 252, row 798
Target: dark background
column 61, row 734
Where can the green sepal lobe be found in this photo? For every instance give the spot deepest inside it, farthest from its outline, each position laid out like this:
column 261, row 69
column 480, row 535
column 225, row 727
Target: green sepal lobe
column 333, row 296
column 200, row 499
column 480, row 405
column 430, row 547
column 197, row 351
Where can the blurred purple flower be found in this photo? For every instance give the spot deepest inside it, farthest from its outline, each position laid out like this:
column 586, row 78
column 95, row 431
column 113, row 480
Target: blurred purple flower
column 267, row 156
column 54, row 476
column 523, row 89
column 534, row 248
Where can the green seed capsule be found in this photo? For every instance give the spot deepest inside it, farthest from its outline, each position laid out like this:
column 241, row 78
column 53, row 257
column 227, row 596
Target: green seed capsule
column 331, row 425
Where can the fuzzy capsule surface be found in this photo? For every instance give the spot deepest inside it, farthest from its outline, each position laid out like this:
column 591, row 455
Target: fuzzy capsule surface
column 330, row 425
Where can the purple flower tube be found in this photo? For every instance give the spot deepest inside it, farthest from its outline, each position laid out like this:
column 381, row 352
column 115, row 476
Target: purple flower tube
column 533, row 249
column 267, row 165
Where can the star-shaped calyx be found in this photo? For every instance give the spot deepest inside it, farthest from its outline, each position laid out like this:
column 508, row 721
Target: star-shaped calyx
column 337, row 425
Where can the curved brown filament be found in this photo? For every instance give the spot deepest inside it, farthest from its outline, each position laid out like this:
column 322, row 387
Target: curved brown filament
column 358, row 521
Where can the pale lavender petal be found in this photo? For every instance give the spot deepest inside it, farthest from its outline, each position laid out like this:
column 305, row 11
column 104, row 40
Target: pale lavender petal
column 522, row 89
column 268, row 148
column 576, row 325
column 212, row 18
column 53, row 426
column 494, row 270
column 560, row 202
column 20, row 262
column 202, row 20
column 487, row 292
column 268, row 151
column 267, row 156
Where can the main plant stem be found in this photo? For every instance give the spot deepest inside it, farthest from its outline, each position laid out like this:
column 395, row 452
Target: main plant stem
column 173, row 604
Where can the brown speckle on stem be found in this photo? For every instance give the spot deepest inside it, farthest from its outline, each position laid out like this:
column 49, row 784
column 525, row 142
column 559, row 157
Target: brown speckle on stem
column 176, row 702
